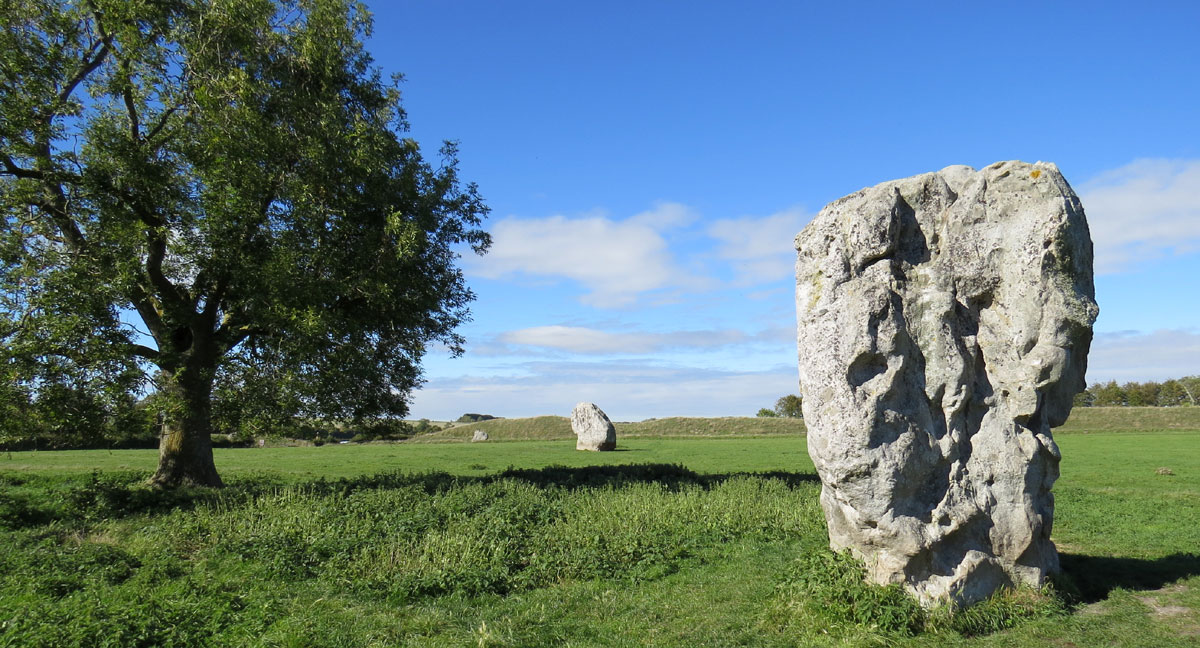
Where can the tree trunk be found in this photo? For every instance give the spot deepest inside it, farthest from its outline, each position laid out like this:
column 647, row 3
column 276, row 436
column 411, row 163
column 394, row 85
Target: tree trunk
column 185, row 456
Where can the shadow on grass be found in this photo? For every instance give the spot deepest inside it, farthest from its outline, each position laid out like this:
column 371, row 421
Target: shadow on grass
column 1097, row 576
column 670, row 475
column 124, row 493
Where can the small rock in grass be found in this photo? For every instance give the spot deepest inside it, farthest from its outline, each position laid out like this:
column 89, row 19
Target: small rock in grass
column 1164, row 471
column 479, row 435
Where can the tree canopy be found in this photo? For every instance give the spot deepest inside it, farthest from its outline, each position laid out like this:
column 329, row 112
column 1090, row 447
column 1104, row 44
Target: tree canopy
column 213, row 200
column 789, row 406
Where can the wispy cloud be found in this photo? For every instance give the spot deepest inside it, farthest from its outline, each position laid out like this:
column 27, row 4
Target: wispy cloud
column 760, row 249
column 1143, row 211
column 617, row 261
column 578, row 339
column 1133, row 355
column 625, row 391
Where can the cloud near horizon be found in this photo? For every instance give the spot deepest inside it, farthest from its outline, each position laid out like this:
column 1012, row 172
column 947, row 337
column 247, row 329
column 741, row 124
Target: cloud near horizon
column 1143, row 211
column 625, row 391
column 1137, row 356
column 578, row 339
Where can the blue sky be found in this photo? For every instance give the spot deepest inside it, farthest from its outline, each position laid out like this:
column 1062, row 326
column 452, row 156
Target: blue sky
column 648, row 164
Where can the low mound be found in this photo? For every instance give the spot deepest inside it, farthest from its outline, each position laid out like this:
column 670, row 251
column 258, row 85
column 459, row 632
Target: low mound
column 547, row 428
column 537, row 428
column 550, row 428
column 1126, row 419
column 678, row 426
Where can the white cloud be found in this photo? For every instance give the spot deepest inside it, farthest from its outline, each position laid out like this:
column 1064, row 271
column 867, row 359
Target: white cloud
column 617, row 261
column 666, row 215
column 760, row 249
column 577, row 339
column 625, row 391
column 1143, row 211
column 1137, row 356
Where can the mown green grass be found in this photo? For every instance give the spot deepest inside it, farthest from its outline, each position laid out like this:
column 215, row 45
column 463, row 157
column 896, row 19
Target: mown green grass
column 670, row 542
column 558, row 427
column 335, row 461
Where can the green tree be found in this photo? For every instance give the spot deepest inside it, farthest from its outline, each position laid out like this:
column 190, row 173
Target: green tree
column 227, row 177
column 766, row 413
column 1171, row 394
column 1142, row 394
column 1109, row 394
column 789, row 406
column 1191, row 389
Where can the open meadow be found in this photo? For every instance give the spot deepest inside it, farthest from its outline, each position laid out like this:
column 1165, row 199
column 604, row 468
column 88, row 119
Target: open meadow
column 695, row 532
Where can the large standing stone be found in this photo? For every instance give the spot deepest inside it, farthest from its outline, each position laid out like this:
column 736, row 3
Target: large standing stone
column 593, row 428
column 944, row 325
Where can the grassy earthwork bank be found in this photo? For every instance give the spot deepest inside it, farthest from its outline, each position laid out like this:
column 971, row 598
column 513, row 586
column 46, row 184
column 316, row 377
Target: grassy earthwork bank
column 708, row 539
column 545, row 428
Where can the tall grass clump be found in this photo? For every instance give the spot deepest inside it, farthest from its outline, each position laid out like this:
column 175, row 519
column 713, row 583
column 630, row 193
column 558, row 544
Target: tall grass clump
column 103, row 560
column 1003, row 610
column 826, row 593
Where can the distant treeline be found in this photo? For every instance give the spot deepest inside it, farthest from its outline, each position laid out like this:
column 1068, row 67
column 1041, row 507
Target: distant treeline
column 1169, row 393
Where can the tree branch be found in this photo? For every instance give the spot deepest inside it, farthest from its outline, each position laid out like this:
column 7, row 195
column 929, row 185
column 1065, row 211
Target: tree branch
column 11, row 168
column 134, row 127
column 55, row 203
column 144, row 305
column 162, row 122
column 154, row 259
column 92, row 60
column 143, row 351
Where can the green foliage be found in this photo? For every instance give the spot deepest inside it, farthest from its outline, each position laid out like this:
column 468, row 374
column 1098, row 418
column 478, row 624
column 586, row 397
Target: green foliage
column 766, row 413
column 790, row 406
column 219, row 169
column 1170, row 393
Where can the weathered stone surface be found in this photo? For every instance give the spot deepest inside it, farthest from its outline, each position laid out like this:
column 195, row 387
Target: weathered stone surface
column 479, row 435
column 944, row 325
column 593, row 429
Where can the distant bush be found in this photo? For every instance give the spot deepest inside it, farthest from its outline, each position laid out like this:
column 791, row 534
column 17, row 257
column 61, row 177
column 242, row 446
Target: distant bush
column 1169, row 393
column 789, row 406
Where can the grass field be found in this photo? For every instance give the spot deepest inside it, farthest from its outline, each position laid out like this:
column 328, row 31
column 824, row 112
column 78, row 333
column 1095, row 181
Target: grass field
column 545, row 428
column 713, row 540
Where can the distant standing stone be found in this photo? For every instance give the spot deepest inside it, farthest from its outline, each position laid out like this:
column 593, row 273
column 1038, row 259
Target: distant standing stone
column 479, row 435
column 593, row 428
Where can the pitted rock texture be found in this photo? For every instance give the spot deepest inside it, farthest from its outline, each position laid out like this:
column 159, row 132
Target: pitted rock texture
column 593, row 428
column 944, row 325
column 478, row 436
